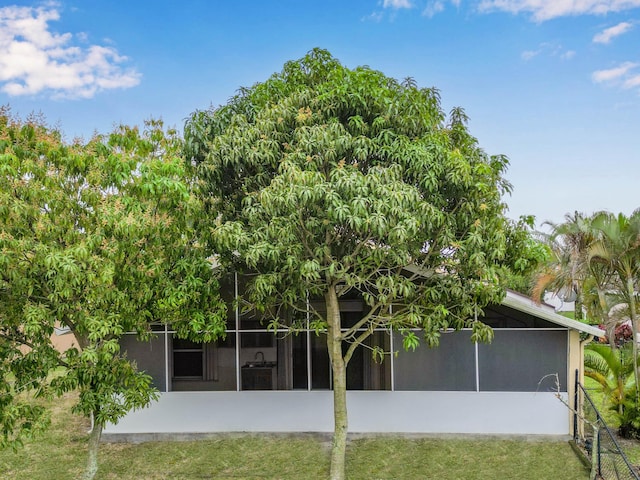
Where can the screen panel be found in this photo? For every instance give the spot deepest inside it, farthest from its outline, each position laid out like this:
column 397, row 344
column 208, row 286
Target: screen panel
column 448, row 367
column 517, row 361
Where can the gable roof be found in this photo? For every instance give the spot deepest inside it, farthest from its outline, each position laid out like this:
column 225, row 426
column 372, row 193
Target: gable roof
column 525, row 304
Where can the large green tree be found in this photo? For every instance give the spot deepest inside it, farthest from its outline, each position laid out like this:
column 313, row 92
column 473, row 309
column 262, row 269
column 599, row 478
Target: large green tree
column 328, row 181
column 530, row 253
column 99, row 238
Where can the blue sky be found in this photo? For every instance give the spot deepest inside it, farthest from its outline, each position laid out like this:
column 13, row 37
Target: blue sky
column 553, row 84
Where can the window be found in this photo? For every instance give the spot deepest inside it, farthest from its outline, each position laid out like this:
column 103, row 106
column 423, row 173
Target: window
column 188, row 359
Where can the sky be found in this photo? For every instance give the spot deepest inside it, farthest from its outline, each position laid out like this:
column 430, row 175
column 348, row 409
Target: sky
column 552, row 84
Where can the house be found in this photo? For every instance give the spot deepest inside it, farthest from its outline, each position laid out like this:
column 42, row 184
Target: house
column 255, row 381
column 62, row 339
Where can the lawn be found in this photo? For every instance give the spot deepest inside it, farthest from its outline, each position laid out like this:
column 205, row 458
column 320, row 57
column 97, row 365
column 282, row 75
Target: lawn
column 60, row 454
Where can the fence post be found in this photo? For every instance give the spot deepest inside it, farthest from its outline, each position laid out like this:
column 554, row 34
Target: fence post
column 611, row 451
column 599, row 451
column 575, row 406
column 595, row 455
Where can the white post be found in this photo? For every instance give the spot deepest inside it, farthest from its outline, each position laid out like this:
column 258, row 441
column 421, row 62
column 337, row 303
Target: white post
column 235, row 296
column 308, row 334
column 166, row 358
column 475, row 319
column 391, row 356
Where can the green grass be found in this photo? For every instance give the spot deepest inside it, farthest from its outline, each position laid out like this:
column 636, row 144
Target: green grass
column 601, row 403
column 60, row 454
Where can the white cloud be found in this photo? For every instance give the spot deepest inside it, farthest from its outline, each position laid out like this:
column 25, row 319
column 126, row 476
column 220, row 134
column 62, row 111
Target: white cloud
column 373, row 17
column 529, row 54
column 433, row 7
column 632, row 82
column 34, row 59
column 613, row 75
column 623, row 76
column 609, row 33
column 397, row 4
column 542, row 10
column 549, row 49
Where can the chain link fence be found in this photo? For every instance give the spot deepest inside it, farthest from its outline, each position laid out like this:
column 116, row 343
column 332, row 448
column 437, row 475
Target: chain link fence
column 608, row 461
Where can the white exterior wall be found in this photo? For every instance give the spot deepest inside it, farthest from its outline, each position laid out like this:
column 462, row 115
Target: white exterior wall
column 500, row 413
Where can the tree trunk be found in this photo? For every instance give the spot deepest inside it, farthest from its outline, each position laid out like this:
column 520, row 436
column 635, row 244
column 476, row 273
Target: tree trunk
column 92, row 459
column 634, row 332
column 578, row 314
column 339, row 370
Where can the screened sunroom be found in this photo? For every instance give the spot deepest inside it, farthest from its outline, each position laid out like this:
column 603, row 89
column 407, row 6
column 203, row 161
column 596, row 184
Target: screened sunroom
column 281, row 382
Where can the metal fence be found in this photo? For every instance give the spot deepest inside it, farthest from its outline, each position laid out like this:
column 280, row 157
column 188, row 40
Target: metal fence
column 591, row 432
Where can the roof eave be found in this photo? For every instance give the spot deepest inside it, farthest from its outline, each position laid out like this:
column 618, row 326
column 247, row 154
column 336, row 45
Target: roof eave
column 530, row 307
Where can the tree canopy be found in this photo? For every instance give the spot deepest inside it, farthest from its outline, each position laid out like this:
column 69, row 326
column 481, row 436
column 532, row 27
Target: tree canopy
column 328, row 181
column 99, row 238
column 596, row 261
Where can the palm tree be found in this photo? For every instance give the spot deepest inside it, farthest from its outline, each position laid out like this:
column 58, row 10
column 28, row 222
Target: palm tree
column 616, row 252
column 569, row 269
column 612, row 369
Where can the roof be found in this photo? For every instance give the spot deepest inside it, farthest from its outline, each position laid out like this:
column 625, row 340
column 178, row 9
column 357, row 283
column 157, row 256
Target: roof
column 525, row 304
